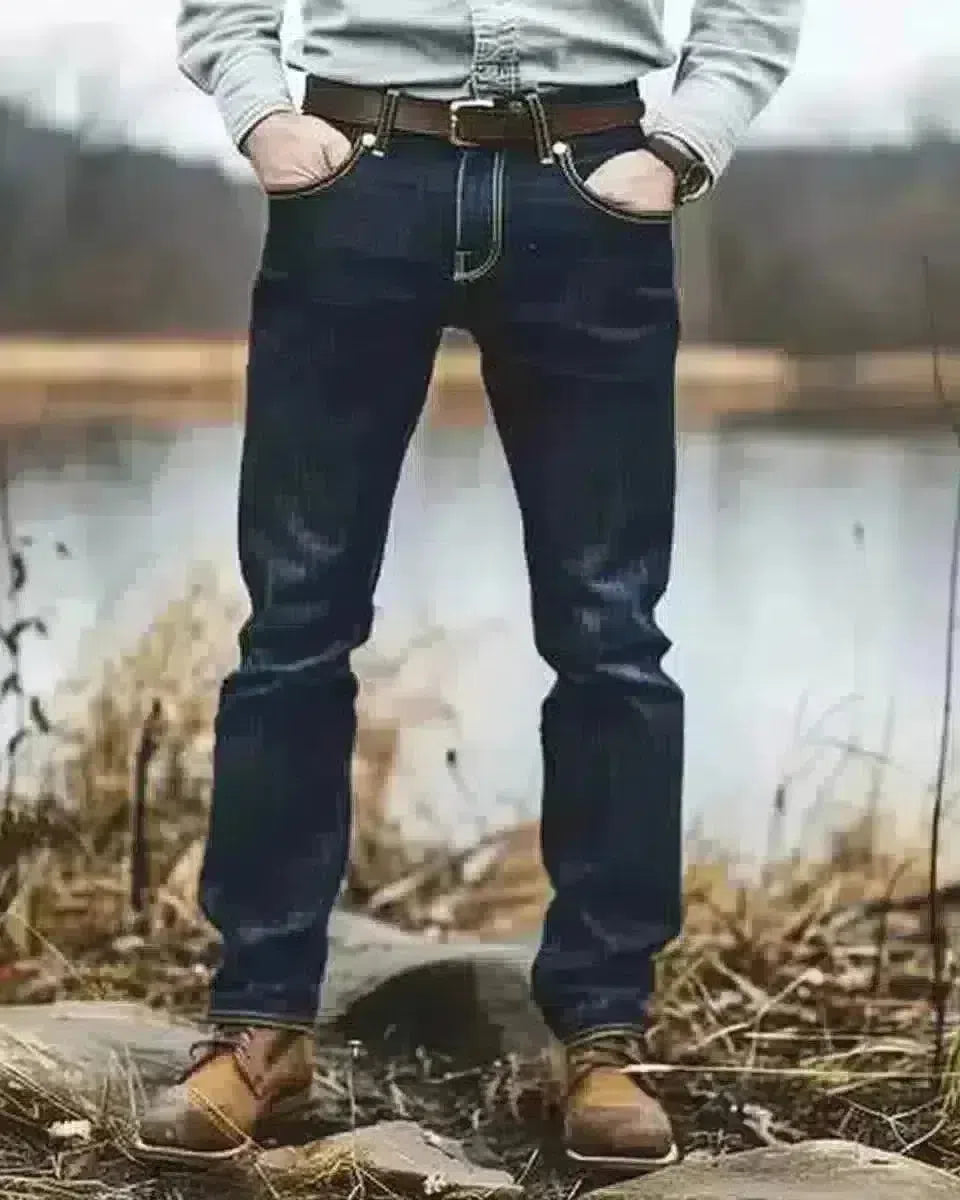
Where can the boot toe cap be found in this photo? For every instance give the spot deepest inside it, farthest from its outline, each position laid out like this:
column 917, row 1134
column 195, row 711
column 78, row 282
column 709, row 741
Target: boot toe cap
column 617, row 1133
column 179, row 1120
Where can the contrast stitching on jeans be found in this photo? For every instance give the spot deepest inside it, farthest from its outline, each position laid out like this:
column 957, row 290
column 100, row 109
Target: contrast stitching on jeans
column 496, row 242
column 458, row 254
column 564, row 156
column 541, row 127
column 459, row 197
column 386, row 121
column 360, row 147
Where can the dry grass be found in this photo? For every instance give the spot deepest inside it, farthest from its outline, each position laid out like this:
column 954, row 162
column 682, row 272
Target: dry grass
column 73, row 850
column 789, row 1009
column 145, row 361
column 162, row 382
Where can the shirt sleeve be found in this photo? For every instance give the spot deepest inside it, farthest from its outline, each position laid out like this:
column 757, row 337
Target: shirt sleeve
column 231, row 50
column 734, row 60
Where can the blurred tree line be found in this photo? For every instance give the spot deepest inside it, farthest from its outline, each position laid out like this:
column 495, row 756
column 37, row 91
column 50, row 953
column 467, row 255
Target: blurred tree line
column 821, row 250
column 817, row 250
column 97, row 239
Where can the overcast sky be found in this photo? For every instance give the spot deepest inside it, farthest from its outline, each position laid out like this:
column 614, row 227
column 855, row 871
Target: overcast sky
column 864, row 67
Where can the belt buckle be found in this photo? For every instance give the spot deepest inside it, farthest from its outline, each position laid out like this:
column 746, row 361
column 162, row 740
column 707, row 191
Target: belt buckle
column 456, row 108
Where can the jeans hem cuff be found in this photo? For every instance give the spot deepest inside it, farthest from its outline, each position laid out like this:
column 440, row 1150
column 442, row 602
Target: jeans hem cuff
column 587, row 1033
column 580, row 1030
column 231, row 1016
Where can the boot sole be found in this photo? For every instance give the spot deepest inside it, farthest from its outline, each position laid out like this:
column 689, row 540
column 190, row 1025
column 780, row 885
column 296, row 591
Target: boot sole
column 180, row 1156
column 622, row 1163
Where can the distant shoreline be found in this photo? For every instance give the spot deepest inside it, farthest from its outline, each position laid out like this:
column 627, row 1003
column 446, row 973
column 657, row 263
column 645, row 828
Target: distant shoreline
column 185, row 381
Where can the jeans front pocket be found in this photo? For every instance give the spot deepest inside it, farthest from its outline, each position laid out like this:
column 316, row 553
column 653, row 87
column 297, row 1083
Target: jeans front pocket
column 564, row 155
column 361, row 146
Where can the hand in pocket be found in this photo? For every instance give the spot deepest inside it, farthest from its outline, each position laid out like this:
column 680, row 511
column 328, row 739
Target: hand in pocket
column 290, row 151
column 636, row 182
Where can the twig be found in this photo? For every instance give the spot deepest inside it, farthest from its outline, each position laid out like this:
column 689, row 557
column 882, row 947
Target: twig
column 139, row 862
column 937, row 932
column 9, row 544
column 881, row 763
column 882, row 929
column 355, row 1049
column 810, row 1073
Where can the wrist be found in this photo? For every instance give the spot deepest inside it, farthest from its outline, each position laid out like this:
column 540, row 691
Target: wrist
column 693, row 178
column 256, row 130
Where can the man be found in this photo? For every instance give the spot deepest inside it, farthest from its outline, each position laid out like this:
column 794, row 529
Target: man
column 484, row 164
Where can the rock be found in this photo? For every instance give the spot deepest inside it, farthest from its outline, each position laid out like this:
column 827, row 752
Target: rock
column 76, row 1056
column 817, row 1170
column 400, row 1154
column 465, row 999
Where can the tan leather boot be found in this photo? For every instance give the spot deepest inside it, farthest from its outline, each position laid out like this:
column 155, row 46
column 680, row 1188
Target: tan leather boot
column 609, row 1119
column 238, row 1079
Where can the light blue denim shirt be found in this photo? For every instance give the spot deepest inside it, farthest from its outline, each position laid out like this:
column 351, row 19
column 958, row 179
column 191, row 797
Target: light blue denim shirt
column 736, row 55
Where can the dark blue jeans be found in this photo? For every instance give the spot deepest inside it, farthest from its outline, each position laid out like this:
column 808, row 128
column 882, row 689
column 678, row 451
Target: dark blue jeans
column 573, row 306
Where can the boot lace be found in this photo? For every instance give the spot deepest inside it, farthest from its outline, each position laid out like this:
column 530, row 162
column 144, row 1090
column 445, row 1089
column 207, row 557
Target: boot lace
column 615, row 1049
column 223, row 1040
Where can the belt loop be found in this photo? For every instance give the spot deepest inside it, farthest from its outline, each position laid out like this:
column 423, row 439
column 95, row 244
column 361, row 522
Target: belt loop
column 541, row 127
column 385, row 122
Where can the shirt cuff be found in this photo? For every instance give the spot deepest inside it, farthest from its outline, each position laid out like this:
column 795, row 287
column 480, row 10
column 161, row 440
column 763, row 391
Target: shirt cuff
column 251, row 86
column 707, row 116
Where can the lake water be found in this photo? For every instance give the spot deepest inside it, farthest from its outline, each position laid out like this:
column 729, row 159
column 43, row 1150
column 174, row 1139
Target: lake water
column 808, row 607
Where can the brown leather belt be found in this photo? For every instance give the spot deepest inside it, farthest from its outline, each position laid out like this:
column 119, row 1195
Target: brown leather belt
column 496, row 121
